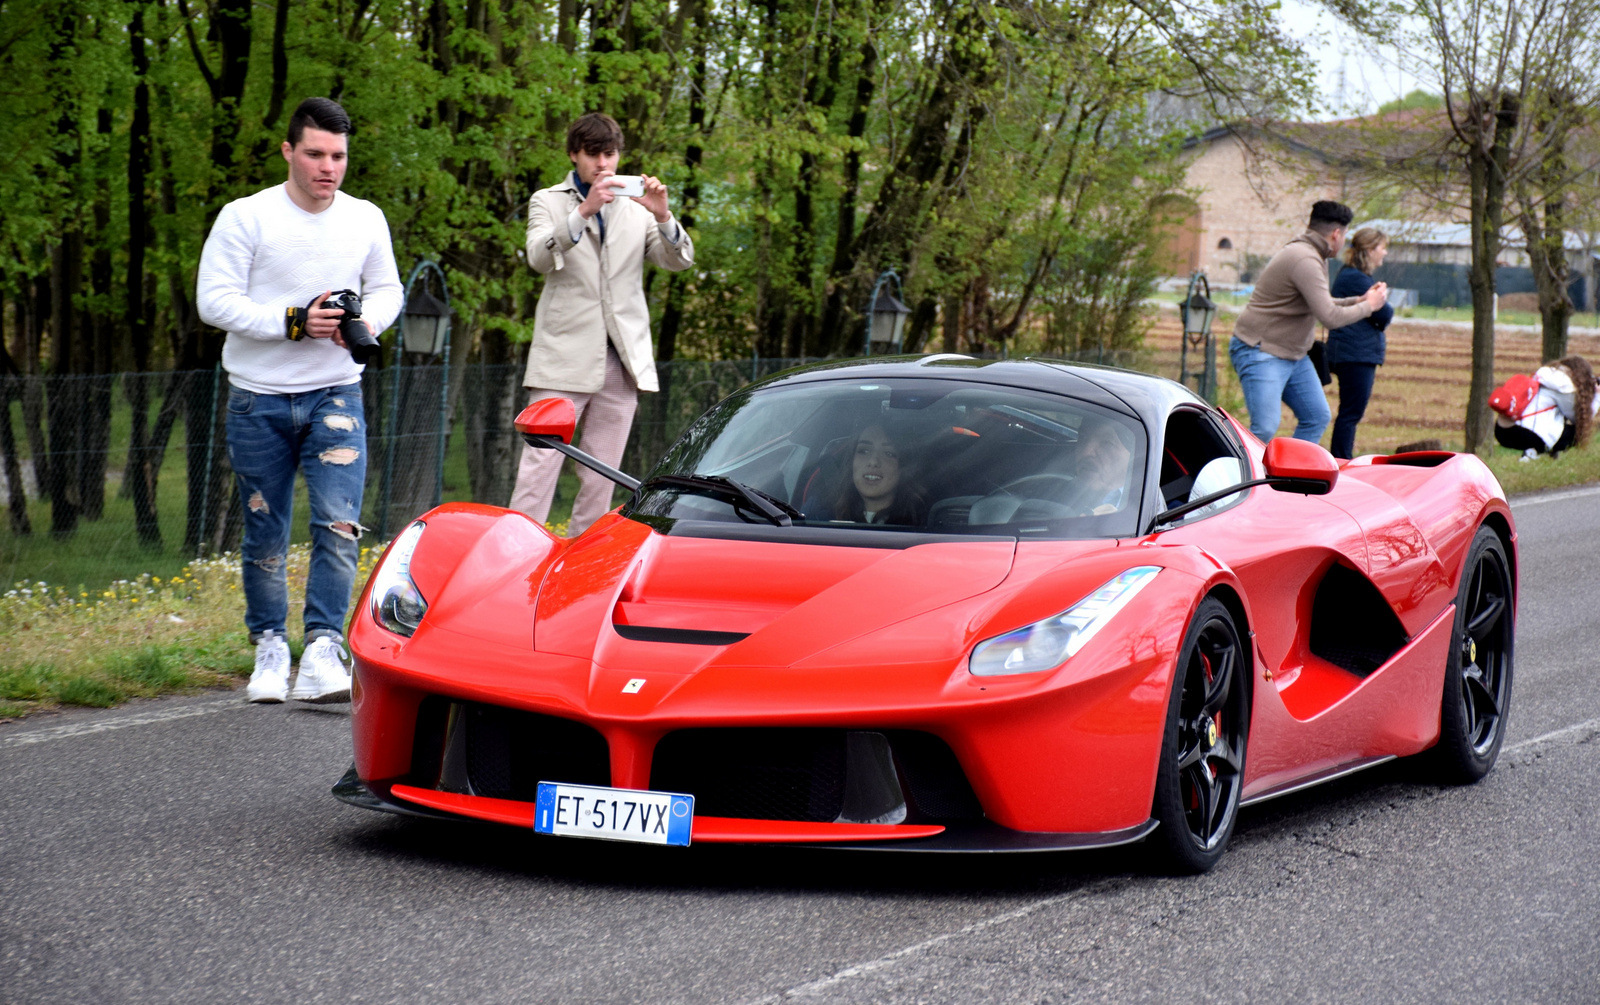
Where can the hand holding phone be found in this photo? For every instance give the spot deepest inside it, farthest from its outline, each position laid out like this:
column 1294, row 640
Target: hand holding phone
column 627, row 184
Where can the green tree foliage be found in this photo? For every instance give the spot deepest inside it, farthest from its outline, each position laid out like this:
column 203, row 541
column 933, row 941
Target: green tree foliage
column 811, row 146
column 1002, row 155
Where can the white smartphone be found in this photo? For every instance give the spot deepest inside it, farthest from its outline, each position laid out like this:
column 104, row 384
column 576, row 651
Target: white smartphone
column 627, row 184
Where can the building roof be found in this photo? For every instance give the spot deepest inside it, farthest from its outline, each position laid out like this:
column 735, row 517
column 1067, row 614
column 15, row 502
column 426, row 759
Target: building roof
column 1454, row 235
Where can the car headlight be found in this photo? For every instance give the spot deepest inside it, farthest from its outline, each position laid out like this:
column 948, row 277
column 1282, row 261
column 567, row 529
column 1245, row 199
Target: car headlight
column 1047, row 644
column 397, row 604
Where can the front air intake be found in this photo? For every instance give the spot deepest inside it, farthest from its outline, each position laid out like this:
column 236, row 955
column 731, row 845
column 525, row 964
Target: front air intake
column 503, row 753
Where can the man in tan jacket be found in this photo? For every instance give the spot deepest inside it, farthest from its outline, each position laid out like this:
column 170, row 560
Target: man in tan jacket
column 1274, row 332
column 591, row 330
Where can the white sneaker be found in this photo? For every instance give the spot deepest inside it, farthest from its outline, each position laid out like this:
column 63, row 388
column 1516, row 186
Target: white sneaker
column 270, row 682
column 323, row 675
column 1529, row 455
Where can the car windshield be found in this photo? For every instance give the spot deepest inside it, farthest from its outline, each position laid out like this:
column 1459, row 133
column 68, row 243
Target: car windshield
column 888, row 455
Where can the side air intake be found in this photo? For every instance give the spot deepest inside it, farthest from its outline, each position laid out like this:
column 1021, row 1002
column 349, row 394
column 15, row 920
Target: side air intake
column 1352, row 626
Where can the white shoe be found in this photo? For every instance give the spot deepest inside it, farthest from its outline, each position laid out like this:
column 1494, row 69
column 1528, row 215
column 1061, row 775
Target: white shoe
column 1529, row 455
column 270, row 682
column 323, row 675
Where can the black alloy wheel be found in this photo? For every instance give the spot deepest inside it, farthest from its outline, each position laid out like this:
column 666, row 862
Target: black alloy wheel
column 1201, row 773
column 1477, row 674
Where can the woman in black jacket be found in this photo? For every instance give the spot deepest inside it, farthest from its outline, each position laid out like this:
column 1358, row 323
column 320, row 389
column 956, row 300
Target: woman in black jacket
column 1356, row 351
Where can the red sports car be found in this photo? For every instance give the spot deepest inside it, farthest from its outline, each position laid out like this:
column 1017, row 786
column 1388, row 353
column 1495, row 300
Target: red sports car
column 941, row 604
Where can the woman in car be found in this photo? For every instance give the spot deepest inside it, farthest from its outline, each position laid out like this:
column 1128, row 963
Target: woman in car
column 883, row 487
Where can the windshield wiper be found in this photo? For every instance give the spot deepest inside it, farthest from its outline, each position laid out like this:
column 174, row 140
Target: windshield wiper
column 776, row 511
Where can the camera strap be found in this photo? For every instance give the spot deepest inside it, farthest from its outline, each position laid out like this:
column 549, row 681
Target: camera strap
column 294, row 320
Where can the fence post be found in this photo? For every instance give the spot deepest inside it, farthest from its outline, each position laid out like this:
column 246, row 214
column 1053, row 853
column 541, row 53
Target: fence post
column 444, row 424
column 205, row 486
column 394, row 437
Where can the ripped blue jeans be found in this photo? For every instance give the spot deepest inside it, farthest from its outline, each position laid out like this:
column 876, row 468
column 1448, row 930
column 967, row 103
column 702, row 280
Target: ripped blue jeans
column 270, row 436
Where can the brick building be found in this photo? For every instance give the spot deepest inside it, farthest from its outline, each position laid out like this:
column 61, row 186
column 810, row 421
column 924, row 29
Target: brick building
column 1251, row 192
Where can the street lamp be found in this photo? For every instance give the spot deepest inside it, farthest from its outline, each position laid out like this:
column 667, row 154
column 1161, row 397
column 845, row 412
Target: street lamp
column 426, row 327
column 886, row 315
column 1198, row 311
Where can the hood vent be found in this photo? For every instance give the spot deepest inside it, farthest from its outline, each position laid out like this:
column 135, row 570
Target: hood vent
column 682, row 636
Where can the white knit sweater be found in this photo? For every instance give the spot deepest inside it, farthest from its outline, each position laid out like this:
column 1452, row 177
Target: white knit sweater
column 265, row 255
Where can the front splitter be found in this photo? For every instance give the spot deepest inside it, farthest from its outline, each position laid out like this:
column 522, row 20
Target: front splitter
column 965, row 838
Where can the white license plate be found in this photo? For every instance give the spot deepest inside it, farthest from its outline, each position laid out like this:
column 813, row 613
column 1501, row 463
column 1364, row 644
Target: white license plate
column 593, row 811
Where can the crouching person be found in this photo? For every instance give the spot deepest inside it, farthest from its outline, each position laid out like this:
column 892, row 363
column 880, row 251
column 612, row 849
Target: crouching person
column 1546, row 414
column 273, row 265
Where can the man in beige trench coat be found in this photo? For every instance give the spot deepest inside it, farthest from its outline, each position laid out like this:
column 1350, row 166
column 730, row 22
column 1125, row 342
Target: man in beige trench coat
column 591, row 330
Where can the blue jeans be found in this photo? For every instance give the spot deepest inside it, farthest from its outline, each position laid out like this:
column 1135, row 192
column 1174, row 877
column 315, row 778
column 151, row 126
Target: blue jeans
column 270, row 436
column 1355, row 390
column 1268, row 381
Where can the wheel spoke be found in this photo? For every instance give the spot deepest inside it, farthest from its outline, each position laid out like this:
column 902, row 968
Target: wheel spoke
column 1221, row 681
column 1225, row 752
column 1189, row 756
column 1208, row 804
column 1487, row 616
column 1202, row 790
column 1482, row 699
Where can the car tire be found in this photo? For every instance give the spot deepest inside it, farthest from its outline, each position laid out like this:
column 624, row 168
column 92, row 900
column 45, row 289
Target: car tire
column 1201, row 773
column 1478, row 668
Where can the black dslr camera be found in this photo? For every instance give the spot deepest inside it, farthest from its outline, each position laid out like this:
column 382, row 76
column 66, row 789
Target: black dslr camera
column 358, row 338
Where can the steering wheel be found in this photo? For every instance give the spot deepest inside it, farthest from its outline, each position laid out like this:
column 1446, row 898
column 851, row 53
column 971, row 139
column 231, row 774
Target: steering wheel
column 1034, row 487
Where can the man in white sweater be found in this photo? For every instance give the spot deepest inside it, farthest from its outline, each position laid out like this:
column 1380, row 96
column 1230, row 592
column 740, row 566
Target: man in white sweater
column 294, row 398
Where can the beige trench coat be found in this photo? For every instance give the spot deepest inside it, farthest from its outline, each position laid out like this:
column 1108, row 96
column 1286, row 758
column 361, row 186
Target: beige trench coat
column 593, row 292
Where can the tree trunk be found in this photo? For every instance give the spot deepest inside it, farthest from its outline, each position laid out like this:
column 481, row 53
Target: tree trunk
column 1547, row 259
column 491, row 399
column 10, row 384
column 834, row 312
column 34, row 306
column 65, row 404
column 1487, row 178
column 672, row 312
column 99, row 329
column 138, row 480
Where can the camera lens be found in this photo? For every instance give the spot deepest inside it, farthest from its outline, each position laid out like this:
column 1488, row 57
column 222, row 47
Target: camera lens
column 363, row 345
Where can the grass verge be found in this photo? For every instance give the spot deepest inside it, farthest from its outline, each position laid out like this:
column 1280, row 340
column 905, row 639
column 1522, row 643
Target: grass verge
column 135, row 638
column 139, row 638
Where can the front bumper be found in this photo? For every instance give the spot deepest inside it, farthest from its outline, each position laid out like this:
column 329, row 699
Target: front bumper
column 966, row 838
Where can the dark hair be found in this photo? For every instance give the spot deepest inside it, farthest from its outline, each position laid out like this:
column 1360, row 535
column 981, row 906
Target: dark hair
column 1327, row 215
column 594, row 133
column 909, row 505
column 319, row 113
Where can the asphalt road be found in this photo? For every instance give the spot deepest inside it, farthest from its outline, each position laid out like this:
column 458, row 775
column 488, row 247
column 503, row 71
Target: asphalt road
column 187, row 850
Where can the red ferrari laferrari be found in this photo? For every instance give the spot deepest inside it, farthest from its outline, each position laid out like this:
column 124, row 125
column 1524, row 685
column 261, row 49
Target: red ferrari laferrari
column 940, row 604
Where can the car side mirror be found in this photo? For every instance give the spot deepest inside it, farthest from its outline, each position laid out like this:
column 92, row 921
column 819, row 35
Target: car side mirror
column 1300, row 466
column 549, row 417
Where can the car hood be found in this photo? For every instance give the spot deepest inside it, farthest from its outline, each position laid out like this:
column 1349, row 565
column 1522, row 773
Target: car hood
column 624, row 595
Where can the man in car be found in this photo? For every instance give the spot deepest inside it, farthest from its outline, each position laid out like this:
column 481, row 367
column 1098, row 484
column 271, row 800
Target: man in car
column 1105, row 455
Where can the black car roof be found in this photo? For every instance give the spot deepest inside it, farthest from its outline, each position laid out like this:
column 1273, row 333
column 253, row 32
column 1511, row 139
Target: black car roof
column 1141, row 395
